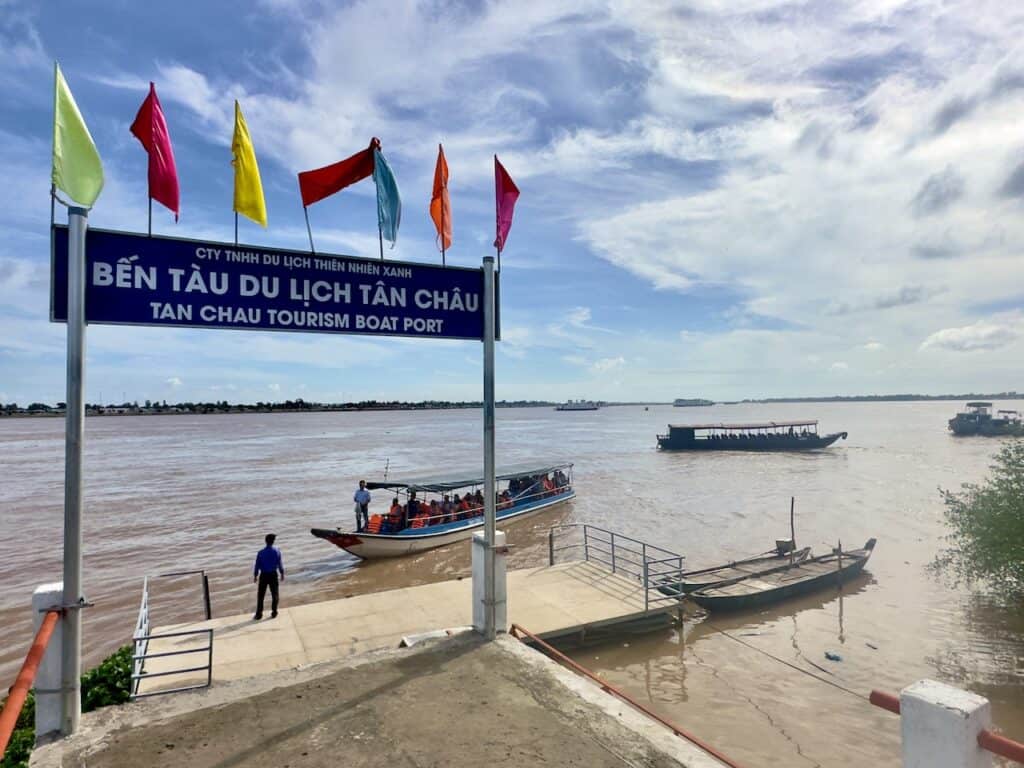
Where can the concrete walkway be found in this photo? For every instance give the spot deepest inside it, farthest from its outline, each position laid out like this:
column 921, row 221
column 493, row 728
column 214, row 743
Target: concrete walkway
column 549, row 601
column 455, row 702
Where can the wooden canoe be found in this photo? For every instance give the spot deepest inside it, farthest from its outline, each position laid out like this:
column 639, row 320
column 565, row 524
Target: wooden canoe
column 777, row 584
column 737, row 569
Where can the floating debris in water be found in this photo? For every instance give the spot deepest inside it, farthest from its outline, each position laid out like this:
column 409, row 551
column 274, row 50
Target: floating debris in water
column 833, row 656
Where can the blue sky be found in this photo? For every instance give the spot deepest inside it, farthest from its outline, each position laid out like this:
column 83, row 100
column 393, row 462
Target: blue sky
column 719, row 199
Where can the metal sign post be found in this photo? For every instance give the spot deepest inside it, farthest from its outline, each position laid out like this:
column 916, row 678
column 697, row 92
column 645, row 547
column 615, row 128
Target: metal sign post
column 490, row 630
column 71, row 650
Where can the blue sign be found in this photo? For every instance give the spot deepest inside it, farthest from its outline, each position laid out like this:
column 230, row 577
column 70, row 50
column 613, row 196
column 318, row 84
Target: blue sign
column 139, row 280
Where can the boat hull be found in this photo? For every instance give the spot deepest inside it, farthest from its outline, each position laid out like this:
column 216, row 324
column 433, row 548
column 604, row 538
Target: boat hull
column 717, row 599
column 762, row 444
column 411, row 541
column 993, row 428
column 694, row 580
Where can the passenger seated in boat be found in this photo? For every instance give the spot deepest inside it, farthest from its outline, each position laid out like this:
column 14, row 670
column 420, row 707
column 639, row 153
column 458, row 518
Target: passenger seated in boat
column 376, row 523
column 412, row 508
column 447, row 510
column 394, row 521
column 504, row 499
column 435, row 513
column 549, row 487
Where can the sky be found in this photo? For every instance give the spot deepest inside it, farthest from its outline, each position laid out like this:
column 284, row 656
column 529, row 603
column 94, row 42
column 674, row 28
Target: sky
column 720, row 198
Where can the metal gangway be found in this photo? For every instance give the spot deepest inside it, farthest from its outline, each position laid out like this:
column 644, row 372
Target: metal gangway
column 659, row 570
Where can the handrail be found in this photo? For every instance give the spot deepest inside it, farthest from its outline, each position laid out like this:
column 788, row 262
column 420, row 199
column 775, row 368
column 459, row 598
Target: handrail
column 516, row 630
column 137, row 678
column 206, row 586
column 987, row 739
column 664, row 569
column 26, row 676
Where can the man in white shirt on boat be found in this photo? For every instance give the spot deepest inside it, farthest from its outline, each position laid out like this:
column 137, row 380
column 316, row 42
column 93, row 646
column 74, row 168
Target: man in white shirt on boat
column 362, row 500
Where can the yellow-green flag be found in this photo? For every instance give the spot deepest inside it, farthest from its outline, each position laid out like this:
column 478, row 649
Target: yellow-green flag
column 77, row 169
column 248, row 187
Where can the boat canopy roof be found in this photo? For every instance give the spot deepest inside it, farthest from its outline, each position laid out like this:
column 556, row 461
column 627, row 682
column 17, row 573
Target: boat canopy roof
column 454, row 480
column 752, row 425
column 979, row 404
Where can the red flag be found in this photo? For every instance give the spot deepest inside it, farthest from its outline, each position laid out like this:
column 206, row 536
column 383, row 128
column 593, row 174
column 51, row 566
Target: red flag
column 324, row 182
column 505, row 195
column 150, row 128
column 440, row 205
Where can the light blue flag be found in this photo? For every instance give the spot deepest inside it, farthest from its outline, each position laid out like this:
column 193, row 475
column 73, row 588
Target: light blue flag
column 389, row 201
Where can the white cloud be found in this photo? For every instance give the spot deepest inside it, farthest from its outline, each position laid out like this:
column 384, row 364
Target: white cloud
column 839, row 366
column 981, row 335
column 606, row 364
column 874, row 346
column 174, row 382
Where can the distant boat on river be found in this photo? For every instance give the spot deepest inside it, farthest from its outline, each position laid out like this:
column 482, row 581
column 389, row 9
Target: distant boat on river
column 979, row 420
column 578, row 405
column 684, row 403
column 757, row 436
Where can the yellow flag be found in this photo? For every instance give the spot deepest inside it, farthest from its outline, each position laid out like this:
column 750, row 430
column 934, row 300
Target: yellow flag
column 77, row 169
column 248, row 187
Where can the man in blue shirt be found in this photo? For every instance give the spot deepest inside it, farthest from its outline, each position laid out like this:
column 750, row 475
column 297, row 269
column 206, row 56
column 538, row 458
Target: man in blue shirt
column 268, row 563
column 362, row 500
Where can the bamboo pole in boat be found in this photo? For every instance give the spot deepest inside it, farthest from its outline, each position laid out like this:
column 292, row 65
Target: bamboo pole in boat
column 792, row 530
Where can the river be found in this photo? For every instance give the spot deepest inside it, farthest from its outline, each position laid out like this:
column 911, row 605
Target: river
column 167, row 493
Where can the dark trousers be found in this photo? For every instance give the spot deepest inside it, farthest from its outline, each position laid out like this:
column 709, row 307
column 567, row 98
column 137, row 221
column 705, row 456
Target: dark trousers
column 267, row 580
column 362, row 516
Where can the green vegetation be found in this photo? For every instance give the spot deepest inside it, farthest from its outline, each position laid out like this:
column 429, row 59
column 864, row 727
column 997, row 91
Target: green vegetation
column 107, row 684
column 987, row 521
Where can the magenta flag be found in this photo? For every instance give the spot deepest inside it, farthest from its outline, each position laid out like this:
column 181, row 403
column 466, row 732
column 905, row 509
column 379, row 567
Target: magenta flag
column 150, row 128
column 505, row 195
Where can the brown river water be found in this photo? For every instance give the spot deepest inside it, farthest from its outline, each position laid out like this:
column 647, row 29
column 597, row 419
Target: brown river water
column 170, row 493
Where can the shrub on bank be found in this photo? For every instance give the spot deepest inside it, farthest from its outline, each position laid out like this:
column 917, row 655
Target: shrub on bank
column 102, row 686
column 987, row 542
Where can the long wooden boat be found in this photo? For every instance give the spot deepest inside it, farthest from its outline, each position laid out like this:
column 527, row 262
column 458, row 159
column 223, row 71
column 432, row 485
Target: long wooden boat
column 777, row 584
column 756, row 436
column 521, row 490
column 737, row 569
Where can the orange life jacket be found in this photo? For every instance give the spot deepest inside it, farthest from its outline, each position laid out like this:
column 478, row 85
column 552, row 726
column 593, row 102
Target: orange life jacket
column 374, row 525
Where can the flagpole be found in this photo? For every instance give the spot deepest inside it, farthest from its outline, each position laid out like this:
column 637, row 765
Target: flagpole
column 309, row 231
column 151, row 217
column 442, row 230
column 236, row 229
column 380, row 239
column 71, row 641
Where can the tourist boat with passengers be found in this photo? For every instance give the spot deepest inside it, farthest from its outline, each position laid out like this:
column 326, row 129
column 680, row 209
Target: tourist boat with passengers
column 979, row 420
column 457, row 508
column 773, row 585
column 757, row 436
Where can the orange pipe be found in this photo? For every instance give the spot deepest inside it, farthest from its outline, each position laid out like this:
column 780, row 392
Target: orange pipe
column 609, row 688
column 1000, row 745
column 885, row 701
column 27, row 675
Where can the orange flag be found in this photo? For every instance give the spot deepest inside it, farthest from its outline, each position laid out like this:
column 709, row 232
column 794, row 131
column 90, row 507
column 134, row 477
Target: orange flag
column 440, row 205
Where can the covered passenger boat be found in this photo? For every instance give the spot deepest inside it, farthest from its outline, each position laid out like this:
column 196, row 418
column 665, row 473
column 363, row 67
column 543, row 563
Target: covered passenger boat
column 979, row 420
column 434, row 511
column 756, row 436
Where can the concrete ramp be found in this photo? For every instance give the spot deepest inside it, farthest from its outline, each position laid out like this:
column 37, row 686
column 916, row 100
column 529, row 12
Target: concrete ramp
column 578, row 599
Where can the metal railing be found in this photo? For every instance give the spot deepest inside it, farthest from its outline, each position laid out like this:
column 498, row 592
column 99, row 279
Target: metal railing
column 144, row 675
column 525, row 635
column 660, row 570
column 142, row 635
column 987, row 739
column 26, row 676
column 206, row 586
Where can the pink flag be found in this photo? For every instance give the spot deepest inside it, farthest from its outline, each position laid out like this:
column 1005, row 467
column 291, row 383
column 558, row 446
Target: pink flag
column 150, row 128
column 505, row 195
